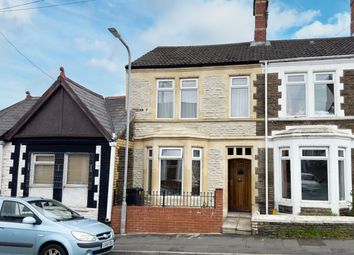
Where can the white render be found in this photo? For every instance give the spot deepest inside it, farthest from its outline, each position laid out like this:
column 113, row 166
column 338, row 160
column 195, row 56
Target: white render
column 21, row 164
column 7, row 163
column 337, row 66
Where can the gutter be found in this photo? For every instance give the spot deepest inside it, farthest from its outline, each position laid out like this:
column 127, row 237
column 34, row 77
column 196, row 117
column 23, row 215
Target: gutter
column 110, row 182
column 306, row 58
column 1, row 161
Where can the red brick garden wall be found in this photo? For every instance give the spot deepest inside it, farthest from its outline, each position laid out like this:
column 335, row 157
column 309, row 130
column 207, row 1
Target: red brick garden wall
column 152, row 219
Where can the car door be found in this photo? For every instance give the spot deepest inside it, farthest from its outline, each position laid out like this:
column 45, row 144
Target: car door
column 16, row 238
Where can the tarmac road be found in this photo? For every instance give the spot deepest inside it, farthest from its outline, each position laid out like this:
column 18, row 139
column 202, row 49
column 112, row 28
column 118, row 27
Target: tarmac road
column 226, row 245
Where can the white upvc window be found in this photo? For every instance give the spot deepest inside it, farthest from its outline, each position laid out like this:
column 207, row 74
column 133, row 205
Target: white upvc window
column 314, row 173
column 196, row 171
column 341, row 174
column 149, row 170
column 171, row 171
column 239, row 97
column 76, row 169
column 165, row 99
column 324, row 93
column 189, row 98
column 295, row 94
column 285, row 173
column 42, row 169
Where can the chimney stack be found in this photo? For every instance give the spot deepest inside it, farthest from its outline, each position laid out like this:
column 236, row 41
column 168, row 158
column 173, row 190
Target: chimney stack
column 260, row 12
column 352, row 17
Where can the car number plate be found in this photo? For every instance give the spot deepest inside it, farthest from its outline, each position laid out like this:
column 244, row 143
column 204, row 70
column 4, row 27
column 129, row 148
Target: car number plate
column 107, row 244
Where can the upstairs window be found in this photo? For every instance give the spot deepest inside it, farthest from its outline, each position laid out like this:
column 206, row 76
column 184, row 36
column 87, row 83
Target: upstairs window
column 324, row 93
column 296, row 94
column 189, row 98
column 240, row 96
column 165, row 98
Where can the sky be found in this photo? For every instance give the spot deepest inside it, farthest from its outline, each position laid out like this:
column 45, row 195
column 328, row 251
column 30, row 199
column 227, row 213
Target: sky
column 36, row 40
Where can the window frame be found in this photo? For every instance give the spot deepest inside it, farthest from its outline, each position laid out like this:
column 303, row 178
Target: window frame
column 231, row 87
column 149, row 180
column 294, row 83
column 180, row 97
column 281, row 158
column 32, row 170
column 327, row 158
column 324, row 82
column 171, row 158
column 65, row 171
column 157, row 97
column 344, row 160
column 200, row 159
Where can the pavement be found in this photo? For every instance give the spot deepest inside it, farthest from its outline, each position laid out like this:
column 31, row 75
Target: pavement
column 225, row 245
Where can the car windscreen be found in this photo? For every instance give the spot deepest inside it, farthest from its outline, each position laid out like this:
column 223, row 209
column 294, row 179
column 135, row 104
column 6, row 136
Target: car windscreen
column 54, row 210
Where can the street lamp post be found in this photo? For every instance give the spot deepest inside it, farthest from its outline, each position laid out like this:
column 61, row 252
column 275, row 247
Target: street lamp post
column 116, row 34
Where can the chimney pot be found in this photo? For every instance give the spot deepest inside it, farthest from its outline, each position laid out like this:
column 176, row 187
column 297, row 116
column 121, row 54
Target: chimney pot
column 260, row 12
column 62, row 72
column 28, row 95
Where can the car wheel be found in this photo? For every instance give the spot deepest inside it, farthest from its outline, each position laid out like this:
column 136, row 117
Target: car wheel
column 53, row 249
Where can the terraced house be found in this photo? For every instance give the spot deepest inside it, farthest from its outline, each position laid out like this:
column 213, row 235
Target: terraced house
column 269, row 122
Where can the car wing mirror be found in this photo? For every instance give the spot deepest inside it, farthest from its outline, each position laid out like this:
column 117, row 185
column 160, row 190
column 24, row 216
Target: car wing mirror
column 29, row 220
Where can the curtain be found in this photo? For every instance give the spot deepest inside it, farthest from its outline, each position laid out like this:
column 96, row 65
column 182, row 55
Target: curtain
column 295, row 99
column 78, row 169
column 239, row 102
column 188, row 103
column 165, row 104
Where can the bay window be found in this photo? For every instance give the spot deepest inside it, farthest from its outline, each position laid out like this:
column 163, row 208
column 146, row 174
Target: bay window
column 341, row 174
column 189, row 98
column 149, row 170
column 285, row 173
column 314, row 174
column 239, row 96
column 165, row 98
column 171, row 170
column 196, row 171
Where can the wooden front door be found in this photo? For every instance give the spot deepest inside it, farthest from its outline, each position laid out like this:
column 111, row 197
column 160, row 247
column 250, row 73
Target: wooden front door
column 240, row 185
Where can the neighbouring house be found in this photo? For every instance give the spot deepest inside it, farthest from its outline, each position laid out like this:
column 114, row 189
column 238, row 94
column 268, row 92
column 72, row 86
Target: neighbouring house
column 63, row 145
column 200, row 126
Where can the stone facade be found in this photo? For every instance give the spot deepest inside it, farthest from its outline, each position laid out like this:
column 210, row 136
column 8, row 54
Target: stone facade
column 213, row 131
column 203, row 129
column 348, row 92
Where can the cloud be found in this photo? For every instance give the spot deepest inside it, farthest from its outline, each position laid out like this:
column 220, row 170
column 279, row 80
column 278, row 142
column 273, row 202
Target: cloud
column 16, row 17
column 84, row 44
column 107, row 64
column 219, row 21
column 201, row 22
column 283, row 18
column 338, row 25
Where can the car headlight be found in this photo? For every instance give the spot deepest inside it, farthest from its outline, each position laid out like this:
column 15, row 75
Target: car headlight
column 81, row 236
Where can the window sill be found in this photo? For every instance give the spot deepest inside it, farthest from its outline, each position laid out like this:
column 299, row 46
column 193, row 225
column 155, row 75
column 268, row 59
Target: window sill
column 41, row 186
column 75, row 186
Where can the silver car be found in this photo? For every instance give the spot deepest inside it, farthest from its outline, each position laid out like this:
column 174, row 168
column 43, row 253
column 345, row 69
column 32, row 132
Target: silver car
column 38, row 226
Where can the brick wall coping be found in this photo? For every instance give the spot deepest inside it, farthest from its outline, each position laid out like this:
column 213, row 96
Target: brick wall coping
column 302, row 219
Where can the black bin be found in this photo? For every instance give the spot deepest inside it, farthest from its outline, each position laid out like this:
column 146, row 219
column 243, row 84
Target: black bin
column 135, row 196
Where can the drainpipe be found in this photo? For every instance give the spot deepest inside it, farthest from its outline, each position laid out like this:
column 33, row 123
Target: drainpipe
column 266, row 130
column 1, row 160
column 110, row 182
